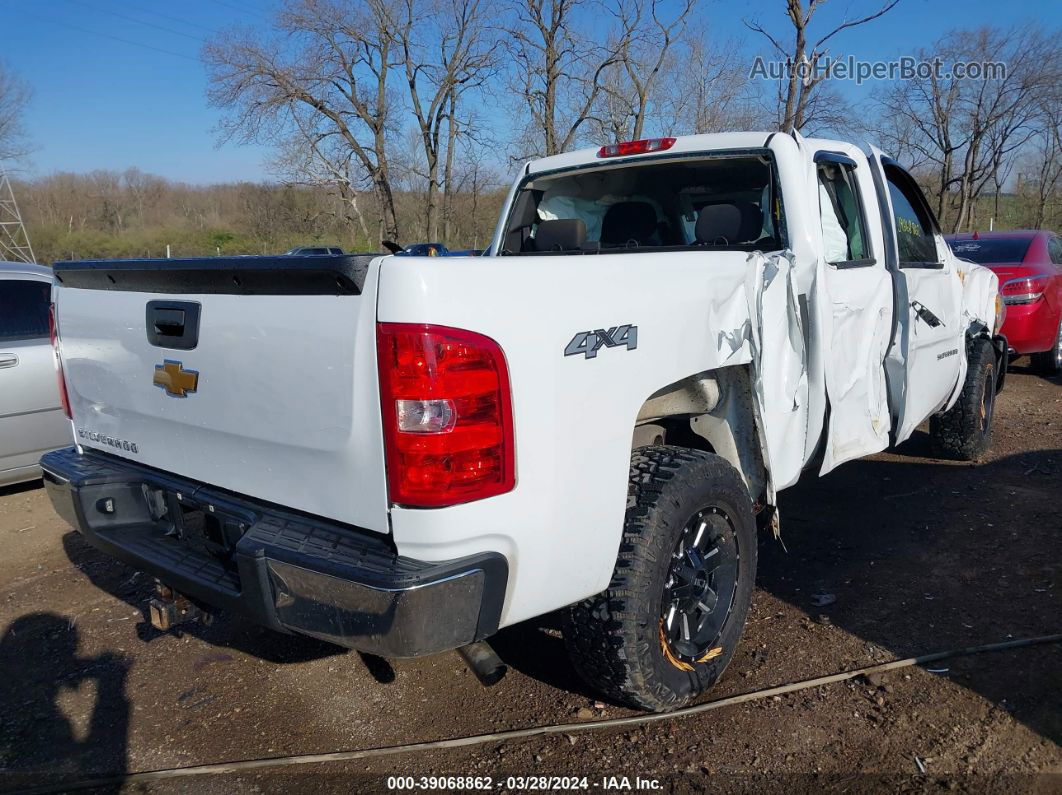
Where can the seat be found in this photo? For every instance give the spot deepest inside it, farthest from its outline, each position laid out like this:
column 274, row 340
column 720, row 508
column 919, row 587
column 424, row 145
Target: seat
column 561, row 234
column 728, row 224
column 629, row 222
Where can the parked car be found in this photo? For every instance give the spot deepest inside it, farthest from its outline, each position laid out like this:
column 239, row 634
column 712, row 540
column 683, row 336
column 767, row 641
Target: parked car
column 32, row 421
column 1029, row 266
column 425, row 250
column 314, row 251
column 403, row 456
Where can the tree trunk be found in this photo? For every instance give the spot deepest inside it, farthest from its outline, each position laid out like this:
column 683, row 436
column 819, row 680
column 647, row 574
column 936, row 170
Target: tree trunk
column 448, row 168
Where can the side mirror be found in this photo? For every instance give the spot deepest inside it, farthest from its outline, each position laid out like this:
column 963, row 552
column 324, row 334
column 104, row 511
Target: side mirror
column 391, row 246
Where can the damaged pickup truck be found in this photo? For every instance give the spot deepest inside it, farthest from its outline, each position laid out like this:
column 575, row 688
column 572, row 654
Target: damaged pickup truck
column 403, row 455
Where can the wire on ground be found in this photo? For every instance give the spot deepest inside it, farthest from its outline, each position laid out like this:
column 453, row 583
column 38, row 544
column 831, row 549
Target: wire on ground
column 244, row 765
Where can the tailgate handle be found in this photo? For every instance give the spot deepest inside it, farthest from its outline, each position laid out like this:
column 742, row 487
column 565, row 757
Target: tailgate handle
column 173, row 324
column 169, row 322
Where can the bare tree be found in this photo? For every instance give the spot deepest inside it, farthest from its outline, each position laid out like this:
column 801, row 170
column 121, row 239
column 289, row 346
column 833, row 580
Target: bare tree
column 798, row 89
column 999, row 111
column 647, row 44
column 444, row 51
column 14, row 97
column 558, row 63
column 969, row 128
column 317, row 155
column 705, row 88
column 334, row 65
column 918, row 121
column 470, row 138
column 700, row 86
column 1046, row 157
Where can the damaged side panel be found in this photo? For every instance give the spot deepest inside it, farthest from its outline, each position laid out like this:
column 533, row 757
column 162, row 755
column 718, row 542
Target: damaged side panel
column 778, row 315
column 856, row 327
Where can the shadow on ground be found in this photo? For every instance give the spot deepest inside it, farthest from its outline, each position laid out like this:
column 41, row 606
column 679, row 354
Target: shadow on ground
column 136, row 588
column 20, row 488
column 39, row 667
column 920, row 555
column 1025, row 367
column 931, row 555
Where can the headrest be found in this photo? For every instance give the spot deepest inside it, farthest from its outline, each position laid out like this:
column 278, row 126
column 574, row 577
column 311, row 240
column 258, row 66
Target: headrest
column 562, row 234
column 625, row 221
column 729, row 223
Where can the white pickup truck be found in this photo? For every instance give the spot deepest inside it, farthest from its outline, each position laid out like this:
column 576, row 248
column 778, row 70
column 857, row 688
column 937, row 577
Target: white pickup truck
column 405, row 454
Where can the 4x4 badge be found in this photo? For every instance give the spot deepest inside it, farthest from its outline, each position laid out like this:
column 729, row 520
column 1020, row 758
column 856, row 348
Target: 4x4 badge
column 590, row 342
column 177, row 381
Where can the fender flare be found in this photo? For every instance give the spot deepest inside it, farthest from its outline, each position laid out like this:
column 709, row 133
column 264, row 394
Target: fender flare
column 978, row 330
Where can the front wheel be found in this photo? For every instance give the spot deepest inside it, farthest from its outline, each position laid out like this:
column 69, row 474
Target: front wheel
column 670, row 620
column 964, row 431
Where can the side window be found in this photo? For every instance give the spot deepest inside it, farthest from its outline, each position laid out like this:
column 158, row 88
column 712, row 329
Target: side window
column 844, row 227
column 1054, row 248
column 914, row 226
column 23, row 309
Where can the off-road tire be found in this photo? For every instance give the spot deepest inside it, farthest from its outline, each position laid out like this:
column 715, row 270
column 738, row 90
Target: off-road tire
column 964, row 432
column 1050, row 362
column 614, row 638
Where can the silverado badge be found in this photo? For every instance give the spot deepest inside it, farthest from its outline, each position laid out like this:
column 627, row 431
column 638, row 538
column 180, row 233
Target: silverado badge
column 177, row 381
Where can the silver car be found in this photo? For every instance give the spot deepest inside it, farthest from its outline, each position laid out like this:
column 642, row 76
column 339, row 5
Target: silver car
column 32, row 421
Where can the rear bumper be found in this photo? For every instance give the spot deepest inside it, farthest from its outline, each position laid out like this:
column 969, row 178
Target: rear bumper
column 284, row 570
column 1031, row 328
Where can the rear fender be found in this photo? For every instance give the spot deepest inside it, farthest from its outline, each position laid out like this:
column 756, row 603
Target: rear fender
column 574, row 405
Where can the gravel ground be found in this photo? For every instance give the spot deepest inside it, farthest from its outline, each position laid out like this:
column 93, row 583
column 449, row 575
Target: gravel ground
column 920, row 554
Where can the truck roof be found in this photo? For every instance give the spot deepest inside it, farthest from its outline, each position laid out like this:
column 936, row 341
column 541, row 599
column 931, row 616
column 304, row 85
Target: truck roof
column 25, row 268
column 683, row 144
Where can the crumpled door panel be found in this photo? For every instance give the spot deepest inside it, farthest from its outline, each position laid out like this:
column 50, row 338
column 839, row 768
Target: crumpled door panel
column 779, row 335
column 855, row 320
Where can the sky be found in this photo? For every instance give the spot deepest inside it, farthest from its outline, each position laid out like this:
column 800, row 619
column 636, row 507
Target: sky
column 119, row 84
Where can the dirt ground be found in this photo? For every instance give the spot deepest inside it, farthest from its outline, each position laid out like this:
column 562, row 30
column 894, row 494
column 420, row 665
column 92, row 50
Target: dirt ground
column 921, row 555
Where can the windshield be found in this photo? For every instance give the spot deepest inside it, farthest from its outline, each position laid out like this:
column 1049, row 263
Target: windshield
column 995, row 250
column 721, row 202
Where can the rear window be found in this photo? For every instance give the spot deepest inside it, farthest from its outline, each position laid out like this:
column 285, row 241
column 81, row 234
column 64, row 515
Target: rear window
column 714, row 202
column 24, row 309
column 994, row 251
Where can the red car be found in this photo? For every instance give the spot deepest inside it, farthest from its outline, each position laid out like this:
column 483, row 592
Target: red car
column 1029, row 266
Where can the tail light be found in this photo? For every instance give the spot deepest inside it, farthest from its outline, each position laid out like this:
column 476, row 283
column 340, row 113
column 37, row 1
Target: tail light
column 53, row 335
column 640, row 147
column 447, row 414
column 1024, row 290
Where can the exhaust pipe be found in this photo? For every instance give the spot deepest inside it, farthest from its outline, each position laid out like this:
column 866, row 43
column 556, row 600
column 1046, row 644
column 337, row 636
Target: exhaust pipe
column 483, row 662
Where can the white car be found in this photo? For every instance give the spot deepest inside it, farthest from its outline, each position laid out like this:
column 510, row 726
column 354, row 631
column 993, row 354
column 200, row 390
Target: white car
column 405, row 454
column 31, row 419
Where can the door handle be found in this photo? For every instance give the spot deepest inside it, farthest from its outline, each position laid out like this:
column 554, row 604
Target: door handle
column 8, row 360
column 931, row 320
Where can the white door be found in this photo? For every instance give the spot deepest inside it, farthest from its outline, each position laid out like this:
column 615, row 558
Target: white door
column 928, row 355
column 854, row 307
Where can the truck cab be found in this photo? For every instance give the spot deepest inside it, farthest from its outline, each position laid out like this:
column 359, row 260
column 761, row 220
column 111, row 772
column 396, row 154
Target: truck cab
column 403, row 454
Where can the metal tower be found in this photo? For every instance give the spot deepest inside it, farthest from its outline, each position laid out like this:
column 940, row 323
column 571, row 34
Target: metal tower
column 14, row 242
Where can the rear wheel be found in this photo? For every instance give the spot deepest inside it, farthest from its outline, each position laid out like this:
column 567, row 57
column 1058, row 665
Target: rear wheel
column 1050, row 362
column 672, row 615
column 964, row 431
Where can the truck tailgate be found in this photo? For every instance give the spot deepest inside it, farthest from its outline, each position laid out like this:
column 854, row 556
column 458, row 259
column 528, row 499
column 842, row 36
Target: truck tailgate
column 277, row 398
